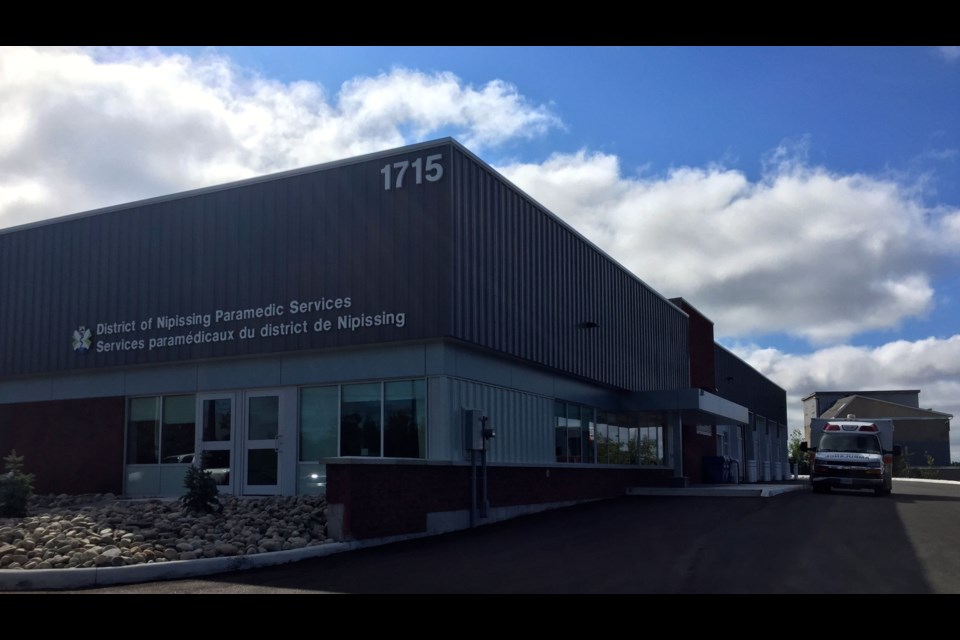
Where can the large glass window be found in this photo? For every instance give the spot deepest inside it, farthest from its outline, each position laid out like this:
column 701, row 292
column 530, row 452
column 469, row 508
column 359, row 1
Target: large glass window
column 161, row 429
column 651, row 438
column 587, row 434
column 576, row 434
column 376, row 419
column 622, row 453
column 632, row 453
column 404, row 412
column 319, row 423
column 602, row 441
column 561, row 431
column 143, row 431
column 574, row 441
column 612, row 438
column 360, row 420
column 179, row 429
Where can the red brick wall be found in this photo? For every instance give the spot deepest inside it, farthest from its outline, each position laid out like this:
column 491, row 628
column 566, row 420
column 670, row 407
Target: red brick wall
column 696, row 446
column 702, row 350
column 387, row 499
column 72, row 446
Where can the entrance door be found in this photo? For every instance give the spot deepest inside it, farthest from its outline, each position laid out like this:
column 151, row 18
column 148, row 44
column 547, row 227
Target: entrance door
column 216, row 436
column 268, row 416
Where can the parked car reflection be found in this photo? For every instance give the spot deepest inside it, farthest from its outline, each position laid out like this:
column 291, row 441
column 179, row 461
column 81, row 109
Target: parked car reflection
column 221, row 474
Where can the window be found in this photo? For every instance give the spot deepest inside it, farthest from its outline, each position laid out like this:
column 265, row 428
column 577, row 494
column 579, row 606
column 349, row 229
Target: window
column 374, row 419
column 602, row 442
column 319, row 418
column 610, row 438
column 179, row 429
column 161, row 429
column 217, row 418
column 650, row 444
column 404, row 414
column 574, row 440
column 360, row 408
column 560, row 413
column 143, row 431
column 576, row 432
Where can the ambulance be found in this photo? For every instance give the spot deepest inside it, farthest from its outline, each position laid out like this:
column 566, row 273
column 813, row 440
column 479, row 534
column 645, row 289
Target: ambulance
column 851, row 454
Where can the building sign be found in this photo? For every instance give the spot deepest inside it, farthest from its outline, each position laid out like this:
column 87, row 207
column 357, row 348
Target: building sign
column 704, row 430
column 296, row 317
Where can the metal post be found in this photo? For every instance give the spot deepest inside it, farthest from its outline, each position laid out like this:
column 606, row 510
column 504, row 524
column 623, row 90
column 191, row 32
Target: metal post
column 483, row 500
column 678, row 440
column 473, row 488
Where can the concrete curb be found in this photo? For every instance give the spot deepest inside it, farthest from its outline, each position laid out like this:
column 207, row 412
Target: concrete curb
column 56, row 579
column 736, row 491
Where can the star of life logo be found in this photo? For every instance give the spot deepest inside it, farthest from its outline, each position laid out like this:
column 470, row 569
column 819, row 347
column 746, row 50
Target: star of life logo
column 82, row 339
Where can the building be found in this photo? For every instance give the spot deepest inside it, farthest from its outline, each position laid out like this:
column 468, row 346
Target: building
column 920, row 432
column 332, row 329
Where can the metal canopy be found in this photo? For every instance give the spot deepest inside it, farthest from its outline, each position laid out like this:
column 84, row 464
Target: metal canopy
column 696, row 404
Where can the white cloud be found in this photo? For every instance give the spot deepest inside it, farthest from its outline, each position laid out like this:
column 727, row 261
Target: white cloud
column 803, row 250
column 949, row 53
column 931, row 365
column 83, row 128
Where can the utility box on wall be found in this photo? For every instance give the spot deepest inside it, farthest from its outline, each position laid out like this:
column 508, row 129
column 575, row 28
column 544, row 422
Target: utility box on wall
column 472, row 430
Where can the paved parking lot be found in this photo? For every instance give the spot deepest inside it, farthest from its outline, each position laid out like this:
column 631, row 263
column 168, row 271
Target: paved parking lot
column 793, row 543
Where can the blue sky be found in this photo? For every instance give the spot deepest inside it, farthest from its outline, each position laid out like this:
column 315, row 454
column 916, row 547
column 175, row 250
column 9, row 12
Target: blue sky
column 806, row 199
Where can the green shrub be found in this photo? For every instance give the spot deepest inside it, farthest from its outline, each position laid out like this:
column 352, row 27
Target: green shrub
column 15, row 487
column 929, row 472
column 202, row 495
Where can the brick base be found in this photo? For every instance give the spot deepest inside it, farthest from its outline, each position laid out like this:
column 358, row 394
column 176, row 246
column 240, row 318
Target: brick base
column 378, row 500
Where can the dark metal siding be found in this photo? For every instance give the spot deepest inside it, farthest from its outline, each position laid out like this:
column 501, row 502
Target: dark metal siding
column 738, row 382
column 524, row 282
column 468, row 256
column 332, row 232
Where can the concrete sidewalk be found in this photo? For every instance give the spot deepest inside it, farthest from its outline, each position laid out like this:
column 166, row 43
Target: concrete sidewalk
column 765, row 490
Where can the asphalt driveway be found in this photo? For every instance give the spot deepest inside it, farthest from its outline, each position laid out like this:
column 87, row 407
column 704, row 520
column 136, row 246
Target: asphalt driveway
column 793, row 543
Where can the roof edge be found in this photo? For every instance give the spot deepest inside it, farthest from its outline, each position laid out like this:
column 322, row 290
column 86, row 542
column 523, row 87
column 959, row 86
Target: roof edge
column 280, row 175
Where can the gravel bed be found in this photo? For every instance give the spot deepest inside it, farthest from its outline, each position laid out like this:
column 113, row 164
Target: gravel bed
column 100, row 530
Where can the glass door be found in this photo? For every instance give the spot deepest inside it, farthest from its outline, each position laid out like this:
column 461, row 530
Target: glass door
column 267, row 414
column 215, row 437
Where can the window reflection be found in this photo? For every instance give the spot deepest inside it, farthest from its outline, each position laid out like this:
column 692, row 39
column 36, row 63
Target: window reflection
column 264, row 416
column 387, row 419
column 143, row 430
column 217, row 462
column 217, row 419
column 360, row 420
column 319, row 423
column 613, row 438
column 178, row 431
column 404, row 410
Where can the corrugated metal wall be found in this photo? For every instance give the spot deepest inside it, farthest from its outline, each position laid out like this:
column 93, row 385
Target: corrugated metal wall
column 739, row 382
column 467, row 256
column 523, row 421
column 524, row 283
column 329, row 232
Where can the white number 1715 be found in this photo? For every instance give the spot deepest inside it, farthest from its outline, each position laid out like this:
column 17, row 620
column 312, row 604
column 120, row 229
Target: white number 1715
column 393, row 174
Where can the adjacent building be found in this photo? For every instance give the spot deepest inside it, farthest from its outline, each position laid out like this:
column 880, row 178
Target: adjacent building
column 920, row 432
